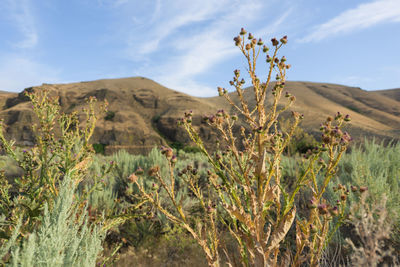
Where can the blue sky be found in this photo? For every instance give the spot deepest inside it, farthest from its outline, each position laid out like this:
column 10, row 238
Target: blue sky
column 187, row 45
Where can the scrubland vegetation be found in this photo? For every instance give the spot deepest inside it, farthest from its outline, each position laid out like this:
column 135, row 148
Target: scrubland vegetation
column 259, row 198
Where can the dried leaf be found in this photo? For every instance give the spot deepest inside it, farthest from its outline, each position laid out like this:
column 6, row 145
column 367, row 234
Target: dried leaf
column 242, row 217
column 279, row 233
column 271, row 193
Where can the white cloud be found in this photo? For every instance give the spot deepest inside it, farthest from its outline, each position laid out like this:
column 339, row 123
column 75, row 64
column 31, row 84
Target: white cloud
column 20, row 13
column 361, row 17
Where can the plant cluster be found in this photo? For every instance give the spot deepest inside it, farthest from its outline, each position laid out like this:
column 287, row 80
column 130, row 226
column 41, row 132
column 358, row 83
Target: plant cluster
column 244, row 191
column 37, row 203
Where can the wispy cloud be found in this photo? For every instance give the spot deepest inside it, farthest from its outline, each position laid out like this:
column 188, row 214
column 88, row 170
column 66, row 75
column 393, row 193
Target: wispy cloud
column 20, row 13
column 191, row 37
column 361, row 17
column 176, row 15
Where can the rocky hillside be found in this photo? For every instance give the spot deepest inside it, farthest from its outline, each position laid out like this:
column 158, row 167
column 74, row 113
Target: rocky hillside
column 142, row 113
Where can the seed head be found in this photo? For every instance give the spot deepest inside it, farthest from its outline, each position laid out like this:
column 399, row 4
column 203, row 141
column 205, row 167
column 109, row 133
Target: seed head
column 243, row 31
column 265, row 49
column 312, row 204
column 274, row 42
column 139, row 171
column 132, row 178
column 153, row 171
column 338, row 116
column 174, row 159
column 334, row 211
column 237, row 39
column 220, row 91
column 212, row 119
column 154, row 186
column 322, row 209
column 260, row 42
column 284, row 39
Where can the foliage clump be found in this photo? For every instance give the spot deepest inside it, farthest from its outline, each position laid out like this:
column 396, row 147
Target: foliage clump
column 41, row 210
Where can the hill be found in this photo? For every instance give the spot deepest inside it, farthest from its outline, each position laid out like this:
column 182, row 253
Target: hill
column 142, row 113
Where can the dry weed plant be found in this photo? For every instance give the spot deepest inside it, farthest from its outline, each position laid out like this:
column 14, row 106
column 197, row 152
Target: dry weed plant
column 372, row 230
column 62, row 147
column 244, row 194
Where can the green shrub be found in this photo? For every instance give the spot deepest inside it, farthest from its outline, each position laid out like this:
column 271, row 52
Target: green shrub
column 377, row 167
column 109, row 115
column 65, row 237
column 120, row 197
column 99, row 148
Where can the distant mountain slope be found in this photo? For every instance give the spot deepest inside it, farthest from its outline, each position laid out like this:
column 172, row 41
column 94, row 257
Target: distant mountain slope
column 145, row 112
column 391, row 93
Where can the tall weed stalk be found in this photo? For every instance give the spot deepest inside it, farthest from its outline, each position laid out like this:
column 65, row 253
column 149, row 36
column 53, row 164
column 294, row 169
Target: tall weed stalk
column 243, row 193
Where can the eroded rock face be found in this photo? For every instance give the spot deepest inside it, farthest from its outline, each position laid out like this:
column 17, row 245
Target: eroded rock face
column 145, row 113
column 22, row 97
column 146, row 98
column 18, row 126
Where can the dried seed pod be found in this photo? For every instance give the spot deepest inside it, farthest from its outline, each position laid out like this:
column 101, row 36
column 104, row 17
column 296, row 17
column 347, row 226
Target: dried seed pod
column 322, row 209
column 334, row 211
column 132, row 178
column 153, row 171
